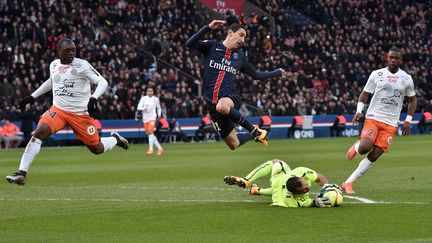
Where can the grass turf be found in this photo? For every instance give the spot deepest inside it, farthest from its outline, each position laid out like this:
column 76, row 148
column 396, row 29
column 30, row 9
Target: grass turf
column 125, row 196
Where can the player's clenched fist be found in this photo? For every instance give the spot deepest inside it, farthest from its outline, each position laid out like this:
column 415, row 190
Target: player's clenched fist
column 216, row 24
column 406, row 128
column 92, row 107
column 284, row 74
column 26, row 100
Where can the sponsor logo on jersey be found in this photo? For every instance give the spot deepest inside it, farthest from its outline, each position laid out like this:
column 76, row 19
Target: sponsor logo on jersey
column 224, row 66
column 392, row 79
column 390, row 101
column 57, row 78
column 63, row 69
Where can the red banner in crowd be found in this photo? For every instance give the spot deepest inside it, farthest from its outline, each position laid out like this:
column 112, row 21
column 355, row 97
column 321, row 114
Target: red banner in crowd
column 234, row 6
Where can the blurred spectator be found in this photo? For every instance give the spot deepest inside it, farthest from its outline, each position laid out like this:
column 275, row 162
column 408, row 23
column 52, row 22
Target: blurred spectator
column 425, row 122
column 177, row 131
column 338, row 126
column 163, row 130
column 296, row 125
column 10, row 135
column 329, row 57
column 205, row 129
column 244, row 110
column 265, row 122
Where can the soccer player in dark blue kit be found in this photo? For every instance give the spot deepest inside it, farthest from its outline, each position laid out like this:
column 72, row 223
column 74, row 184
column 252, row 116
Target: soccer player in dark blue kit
column 222, row 61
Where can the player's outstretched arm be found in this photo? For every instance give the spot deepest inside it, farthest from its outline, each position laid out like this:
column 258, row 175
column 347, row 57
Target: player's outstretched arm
column 321, row 179
column 44, row 88
column 363, row 98
column 412, row 104
column 158, row 109
column 101, row 87
column 251, row 71
column 91, row 74
column 195, row 40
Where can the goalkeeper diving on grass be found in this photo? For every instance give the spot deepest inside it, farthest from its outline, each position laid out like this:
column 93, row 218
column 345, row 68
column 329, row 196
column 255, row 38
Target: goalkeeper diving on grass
column 289, row 188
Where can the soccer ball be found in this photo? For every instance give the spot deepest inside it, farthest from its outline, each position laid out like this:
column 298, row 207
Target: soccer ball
column 334, row 195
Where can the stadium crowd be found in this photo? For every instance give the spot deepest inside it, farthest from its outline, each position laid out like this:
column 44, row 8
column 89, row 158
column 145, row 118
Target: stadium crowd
column 328, row 62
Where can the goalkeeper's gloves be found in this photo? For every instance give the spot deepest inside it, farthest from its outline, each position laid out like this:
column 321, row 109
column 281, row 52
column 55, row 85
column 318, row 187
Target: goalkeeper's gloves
column 26, row 100
column 322, row 202
column 92, row 107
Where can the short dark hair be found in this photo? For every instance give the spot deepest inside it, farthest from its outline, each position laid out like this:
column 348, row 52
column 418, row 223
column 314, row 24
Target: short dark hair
column 293, row 183
column 234, row 27
column 62, row 41
column 395, row 49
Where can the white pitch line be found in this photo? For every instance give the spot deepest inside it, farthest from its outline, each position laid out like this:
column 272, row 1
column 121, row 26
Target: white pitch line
column 145, row 187
column 361, row 199
column 129, row 200
column 178, row 200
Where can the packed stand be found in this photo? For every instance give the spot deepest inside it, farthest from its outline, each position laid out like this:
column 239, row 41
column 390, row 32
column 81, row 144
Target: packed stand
column 328, row 62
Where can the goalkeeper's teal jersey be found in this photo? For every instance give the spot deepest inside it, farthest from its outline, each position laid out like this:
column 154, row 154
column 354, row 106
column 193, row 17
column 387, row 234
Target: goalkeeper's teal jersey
column 282, row 197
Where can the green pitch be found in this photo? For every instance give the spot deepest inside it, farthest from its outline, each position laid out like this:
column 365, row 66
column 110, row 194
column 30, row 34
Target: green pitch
column 126, row 196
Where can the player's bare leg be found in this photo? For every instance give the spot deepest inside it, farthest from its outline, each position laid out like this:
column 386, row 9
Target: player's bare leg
column 232, row 140
column 260, row 171
column 42, row 132
column 153, row 141
column 359, row 147
column 107, row 143
column 150, row 143
column 363, row 167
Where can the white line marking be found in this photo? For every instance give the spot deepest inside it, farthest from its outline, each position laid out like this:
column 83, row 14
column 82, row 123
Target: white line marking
column 177, row 200
column 361, row 199
column 144, row 188
column 129, row 200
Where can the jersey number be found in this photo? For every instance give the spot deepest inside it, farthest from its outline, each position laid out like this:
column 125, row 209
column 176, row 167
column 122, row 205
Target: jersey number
column 53, row 114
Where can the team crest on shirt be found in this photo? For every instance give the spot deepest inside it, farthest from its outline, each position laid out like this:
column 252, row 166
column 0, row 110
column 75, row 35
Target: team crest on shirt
column 390, row 140
column 57, row 78
column 91, row 130
column 74, row 72
column 235, row 55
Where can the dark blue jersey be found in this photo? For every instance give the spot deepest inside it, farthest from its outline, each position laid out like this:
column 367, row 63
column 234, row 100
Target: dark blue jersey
column 221, row 66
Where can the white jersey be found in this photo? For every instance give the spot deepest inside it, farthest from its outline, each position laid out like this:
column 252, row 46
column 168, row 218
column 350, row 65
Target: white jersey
column 388, row 91
column 71, row 84
column 150, row 107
